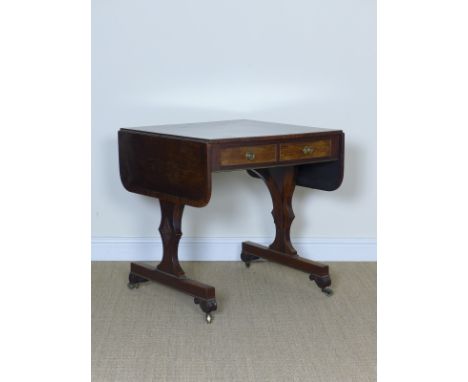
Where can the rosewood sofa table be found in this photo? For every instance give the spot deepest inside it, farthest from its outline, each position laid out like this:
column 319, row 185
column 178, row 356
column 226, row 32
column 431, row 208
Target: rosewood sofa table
column 174, row 164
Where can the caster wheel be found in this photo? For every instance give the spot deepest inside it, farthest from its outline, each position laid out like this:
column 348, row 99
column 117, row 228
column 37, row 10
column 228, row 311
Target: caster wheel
column 328, row 291
column 247, row 259
column 206, row 306
column 134, row 281
column 323, row 282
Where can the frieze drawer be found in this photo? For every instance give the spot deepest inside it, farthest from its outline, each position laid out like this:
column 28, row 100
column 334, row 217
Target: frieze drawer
column 305, row 150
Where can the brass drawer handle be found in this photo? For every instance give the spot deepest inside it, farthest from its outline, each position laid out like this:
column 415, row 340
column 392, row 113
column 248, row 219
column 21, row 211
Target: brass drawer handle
column 307, row 150
column 249, row 155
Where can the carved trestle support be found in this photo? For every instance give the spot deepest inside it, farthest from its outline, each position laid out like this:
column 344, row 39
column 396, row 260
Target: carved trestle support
column 171, row 233
column 281, row 183
column 169, row 270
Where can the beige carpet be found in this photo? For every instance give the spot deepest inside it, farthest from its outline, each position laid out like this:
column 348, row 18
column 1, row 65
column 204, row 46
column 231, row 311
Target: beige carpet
column 272, row 324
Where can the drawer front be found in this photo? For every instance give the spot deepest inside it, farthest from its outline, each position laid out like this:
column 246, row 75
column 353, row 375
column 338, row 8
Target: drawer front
column 306, row 150
column 233, row 156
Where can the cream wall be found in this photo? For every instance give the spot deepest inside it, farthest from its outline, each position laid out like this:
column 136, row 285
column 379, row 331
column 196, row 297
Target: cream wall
column 304, row 62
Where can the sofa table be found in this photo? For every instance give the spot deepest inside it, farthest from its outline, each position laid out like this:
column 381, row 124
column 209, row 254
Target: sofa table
column 174, row 164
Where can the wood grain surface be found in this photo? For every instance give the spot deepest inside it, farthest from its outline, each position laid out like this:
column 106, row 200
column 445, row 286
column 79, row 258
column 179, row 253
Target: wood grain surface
column 247, row 155
column 305, row 150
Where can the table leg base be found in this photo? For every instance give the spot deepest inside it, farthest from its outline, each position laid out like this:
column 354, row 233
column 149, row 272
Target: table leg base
column 318, row 272
column 204, row 294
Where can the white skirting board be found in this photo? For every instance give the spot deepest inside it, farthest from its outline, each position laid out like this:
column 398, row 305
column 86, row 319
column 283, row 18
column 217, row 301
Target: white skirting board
column 229, row 248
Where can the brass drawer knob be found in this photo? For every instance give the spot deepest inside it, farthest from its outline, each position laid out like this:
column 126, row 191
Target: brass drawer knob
column 249, row 155
column 307, row 150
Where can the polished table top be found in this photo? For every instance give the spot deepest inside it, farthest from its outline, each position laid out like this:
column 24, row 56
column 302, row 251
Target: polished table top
column 230, row 129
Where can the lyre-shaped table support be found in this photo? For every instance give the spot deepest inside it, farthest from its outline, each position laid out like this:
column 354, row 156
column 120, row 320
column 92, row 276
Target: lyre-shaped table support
column 281, row 182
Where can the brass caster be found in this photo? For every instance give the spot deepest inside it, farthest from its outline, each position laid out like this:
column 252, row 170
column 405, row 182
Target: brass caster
column 206, row 306
column 135, row 280
column 328, row 291
column 247, row 259
column 323, row 282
